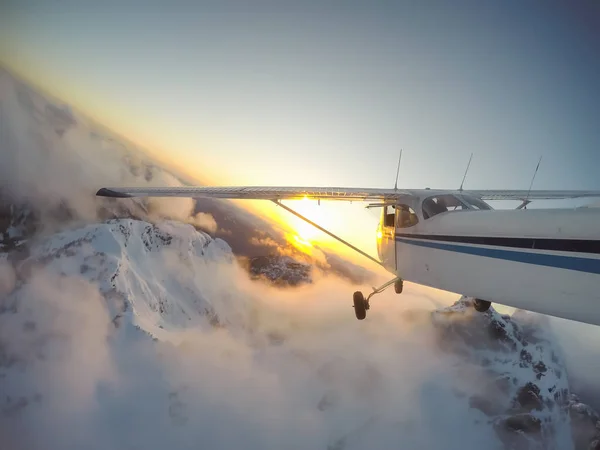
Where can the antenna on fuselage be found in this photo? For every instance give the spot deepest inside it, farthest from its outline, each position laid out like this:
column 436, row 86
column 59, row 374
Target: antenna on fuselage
column 465, row 175
column 398, row 171
column 384, row 203
column 526, row 201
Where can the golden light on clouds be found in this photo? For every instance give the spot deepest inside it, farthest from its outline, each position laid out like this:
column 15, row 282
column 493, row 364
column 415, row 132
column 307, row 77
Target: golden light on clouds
column 303, row 242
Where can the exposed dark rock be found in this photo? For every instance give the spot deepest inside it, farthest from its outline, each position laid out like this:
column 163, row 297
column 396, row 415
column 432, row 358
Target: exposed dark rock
column 540, row 369
column 528, row 398
column 525, row 423
column 525, row 358
column 280, row 270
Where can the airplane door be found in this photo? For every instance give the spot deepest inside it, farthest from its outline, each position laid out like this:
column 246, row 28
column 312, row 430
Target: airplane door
column 386, row 244
column 406, row 221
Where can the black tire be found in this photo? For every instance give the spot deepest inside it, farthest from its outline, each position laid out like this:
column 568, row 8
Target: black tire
column 360, row 305
column 398, row 286
column 481, row 305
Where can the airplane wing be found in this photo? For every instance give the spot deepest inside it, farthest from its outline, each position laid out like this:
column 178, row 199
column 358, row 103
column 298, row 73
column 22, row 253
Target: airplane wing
column 325, row 193
column 530, row 195
column 255, row 192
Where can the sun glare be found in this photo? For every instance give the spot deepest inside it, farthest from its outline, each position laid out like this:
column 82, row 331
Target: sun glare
column 345, row 220
column 311, row 210
column 302, row 242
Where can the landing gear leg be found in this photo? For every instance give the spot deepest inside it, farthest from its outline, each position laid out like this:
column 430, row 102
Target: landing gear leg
column 398, row 285
column 481, row 305
column 361, row 305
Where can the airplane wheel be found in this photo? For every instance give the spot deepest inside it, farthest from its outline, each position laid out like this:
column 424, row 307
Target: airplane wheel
column 481, row 305
column 360, row 305
column 398, row 286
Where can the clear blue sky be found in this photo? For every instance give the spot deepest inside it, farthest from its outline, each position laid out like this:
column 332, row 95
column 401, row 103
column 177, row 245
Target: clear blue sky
column 327, row 95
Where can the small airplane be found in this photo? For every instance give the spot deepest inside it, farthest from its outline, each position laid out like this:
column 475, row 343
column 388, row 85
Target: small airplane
column 542, row 260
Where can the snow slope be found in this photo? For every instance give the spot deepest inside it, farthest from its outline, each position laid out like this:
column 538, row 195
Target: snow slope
column 155, row 277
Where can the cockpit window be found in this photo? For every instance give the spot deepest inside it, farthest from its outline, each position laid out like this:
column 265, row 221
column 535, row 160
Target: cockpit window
column 449, row 202
column 474, row 202
column 438, row 204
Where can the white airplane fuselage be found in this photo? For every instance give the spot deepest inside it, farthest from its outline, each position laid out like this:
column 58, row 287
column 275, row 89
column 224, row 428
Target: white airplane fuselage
column 543, row 260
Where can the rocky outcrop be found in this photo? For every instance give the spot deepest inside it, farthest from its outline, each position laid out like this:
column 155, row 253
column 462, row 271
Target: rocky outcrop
column 524, row 390
column 280, row 270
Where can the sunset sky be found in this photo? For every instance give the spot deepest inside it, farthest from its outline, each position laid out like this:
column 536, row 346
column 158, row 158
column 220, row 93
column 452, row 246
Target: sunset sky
column 327, row 95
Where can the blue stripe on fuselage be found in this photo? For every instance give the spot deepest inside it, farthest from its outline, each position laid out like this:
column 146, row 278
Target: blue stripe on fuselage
column 589, row 265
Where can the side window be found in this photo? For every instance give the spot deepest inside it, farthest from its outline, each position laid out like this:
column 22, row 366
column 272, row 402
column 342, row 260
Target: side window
column 406, row 216
column 432, row 207
column 440, row 204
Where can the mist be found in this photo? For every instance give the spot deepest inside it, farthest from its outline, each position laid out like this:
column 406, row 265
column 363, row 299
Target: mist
column 582, row 356
column 55, row 159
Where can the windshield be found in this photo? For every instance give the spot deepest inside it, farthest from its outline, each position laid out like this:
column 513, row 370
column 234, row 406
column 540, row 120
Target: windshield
column 438, row 204
column 474, row 202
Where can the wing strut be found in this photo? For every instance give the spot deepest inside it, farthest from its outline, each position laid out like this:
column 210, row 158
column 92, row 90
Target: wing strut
column 300, row 216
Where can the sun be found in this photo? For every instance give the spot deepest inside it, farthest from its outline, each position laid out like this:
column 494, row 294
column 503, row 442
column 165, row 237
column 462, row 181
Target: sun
column 306, row 231
column 307, row 234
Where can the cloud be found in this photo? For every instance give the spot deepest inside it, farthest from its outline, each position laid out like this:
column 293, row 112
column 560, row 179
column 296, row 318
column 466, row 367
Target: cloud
column 178, row 208
column 205, row 222
column 58, row 173
column 7, row 277
column 55, row 356
column 582, row 356
column 263, row 242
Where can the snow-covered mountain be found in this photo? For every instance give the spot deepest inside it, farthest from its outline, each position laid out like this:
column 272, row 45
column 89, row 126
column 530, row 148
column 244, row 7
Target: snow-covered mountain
column 146, row 272
column 128, row 334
